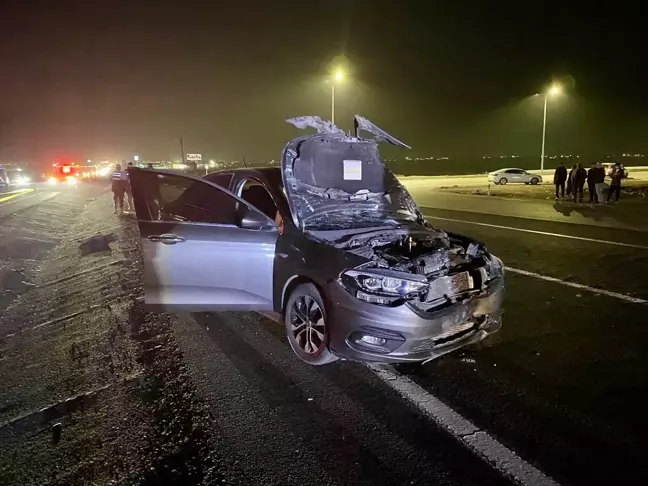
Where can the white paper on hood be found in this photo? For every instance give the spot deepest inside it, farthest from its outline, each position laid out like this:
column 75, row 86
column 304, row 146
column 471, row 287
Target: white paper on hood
column 352, row 170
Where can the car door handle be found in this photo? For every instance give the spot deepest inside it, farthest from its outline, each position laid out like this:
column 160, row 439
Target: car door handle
column 167, row 239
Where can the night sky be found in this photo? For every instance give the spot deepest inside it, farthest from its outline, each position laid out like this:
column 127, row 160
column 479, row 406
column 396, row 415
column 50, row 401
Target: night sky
column 106, row 80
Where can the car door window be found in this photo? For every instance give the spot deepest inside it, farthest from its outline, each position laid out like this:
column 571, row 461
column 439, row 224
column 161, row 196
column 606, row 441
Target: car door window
column 257, row 195
column 223, row 180
column 183, row 199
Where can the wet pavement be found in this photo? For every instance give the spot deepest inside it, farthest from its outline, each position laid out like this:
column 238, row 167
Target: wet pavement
column 629, row 214
column 220, row 398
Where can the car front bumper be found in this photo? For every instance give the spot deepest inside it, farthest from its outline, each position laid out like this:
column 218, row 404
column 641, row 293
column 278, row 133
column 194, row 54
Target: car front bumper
column 411, row 335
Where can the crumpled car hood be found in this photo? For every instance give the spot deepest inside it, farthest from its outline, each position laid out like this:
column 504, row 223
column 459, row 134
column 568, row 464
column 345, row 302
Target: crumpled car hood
column 335, row 181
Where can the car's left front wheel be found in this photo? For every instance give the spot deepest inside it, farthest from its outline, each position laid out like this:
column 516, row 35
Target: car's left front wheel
column 306, row 325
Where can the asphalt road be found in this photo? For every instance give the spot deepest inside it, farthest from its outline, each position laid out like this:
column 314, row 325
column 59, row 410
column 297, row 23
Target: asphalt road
column 606, row 216
column 221, row 399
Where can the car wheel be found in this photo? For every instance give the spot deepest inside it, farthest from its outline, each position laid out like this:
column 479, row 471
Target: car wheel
column 503, row 181
column 306, row 325
column 534, row 181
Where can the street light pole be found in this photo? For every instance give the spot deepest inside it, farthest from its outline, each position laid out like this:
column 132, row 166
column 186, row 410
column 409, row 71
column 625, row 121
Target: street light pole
column 544, row 131
column 556, row 89
column 335, row 78
column 333, row 103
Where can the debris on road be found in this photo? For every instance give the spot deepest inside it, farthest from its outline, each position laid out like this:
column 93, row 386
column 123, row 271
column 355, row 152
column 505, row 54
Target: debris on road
column 97, row 244
column 56, row 433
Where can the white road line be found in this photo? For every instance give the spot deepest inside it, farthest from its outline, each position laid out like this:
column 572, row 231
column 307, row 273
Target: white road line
column 15, row 199
column 499, row 456
column 627, row 298
column 545, row 233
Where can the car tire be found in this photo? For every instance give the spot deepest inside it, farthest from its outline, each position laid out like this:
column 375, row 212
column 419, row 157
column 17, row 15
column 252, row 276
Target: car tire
column 306, row 325
column 534, row 181
column 503, row 181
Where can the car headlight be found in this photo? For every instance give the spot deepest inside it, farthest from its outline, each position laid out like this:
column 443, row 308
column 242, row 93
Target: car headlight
column 52, row 180
column 382, row 286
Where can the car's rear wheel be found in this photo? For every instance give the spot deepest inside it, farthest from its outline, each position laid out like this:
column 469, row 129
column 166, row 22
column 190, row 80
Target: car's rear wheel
column 306, row 325
column 534, row 181
column 503, row 181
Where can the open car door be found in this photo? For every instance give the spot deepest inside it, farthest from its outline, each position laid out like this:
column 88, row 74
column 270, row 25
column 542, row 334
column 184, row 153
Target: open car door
column 204, row 249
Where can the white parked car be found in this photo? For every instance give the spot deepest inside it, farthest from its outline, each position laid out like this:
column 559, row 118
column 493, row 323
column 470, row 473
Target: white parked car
column 518, row 176
column 609, row 168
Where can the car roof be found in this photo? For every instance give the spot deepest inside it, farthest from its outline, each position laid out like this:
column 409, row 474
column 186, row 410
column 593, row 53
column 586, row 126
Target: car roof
column 271, row 175
column 239, row 170
column 261, row 170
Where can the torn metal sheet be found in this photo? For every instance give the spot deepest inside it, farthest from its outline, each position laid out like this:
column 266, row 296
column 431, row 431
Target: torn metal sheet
column 317, row 123
column 381, row 135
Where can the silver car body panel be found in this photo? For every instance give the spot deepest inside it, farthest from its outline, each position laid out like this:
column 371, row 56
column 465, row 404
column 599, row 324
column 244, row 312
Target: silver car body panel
column 426, row 335
column 214, row 268
column 196, row 267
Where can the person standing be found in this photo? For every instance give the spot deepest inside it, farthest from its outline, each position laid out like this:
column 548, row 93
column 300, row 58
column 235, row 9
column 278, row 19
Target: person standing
column 615, row 183
column 570, row 180
column 580, row 176
column 592, row 177
column 118, row 189
column 600, row 183
column 129, row 192
column 560, row 176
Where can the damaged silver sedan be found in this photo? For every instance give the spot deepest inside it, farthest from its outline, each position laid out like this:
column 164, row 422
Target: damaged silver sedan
column 330, row 240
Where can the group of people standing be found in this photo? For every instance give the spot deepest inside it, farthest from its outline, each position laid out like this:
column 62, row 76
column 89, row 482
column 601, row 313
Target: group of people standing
column 595, row 178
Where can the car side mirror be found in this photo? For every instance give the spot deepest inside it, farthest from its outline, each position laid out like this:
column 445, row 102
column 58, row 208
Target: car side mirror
column 250, row 219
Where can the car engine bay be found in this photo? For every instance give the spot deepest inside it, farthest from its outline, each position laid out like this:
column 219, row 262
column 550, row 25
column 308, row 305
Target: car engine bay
column 454, row 267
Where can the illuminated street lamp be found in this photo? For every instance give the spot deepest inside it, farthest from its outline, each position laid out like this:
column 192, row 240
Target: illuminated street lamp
column 553, row 90
column 337, row 78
